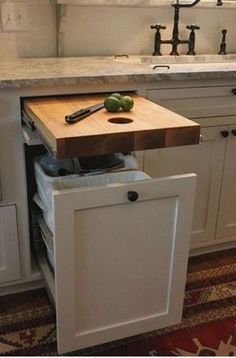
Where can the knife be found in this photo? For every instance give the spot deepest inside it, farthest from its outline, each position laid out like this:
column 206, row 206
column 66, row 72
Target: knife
column 82, row 113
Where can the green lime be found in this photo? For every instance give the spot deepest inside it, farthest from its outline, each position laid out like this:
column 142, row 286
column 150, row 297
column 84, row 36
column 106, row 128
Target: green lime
column 112, row 104
column 127, row 103
column 117, row 95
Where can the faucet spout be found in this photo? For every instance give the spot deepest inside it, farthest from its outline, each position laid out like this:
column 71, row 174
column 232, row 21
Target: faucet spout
column 195, row 2
column 178, row 5
column 175, row 40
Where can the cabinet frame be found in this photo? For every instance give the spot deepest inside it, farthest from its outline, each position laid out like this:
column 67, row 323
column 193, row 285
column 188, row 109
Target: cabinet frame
column 9, row 249
column 212, row 106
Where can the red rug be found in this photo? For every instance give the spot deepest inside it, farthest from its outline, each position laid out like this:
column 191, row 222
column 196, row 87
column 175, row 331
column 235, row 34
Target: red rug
column 27, row 320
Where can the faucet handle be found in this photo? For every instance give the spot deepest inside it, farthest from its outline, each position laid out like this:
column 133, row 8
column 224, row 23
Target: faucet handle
column 158, row 27
column 219, row 3
column 223, row 43
column 192, row 27
column 158, row 41
column 191, row 41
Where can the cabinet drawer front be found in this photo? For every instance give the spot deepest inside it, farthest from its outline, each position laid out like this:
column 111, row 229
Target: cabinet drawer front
column 196, row 102
column 120, row 265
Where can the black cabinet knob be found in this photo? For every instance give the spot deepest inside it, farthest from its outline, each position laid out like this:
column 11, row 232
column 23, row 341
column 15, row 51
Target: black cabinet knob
column 224, row 134
column 233, row 132
column 132, row 195
column 233, row 90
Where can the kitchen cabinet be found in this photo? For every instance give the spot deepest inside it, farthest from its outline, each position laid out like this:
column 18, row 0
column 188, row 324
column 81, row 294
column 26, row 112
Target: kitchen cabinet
column 213, row 161
column 14, row 178
column 207, row 161
column 9, row 249
column 17, row 269
column 226, row 225
column 23, row 79
column 119, row 248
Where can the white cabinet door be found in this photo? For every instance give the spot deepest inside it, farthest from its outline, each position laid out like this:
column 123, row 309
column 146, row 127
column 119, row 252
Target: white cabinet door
column 226, row 226
column 120, row 265
column 9, row 250
column 206, row 160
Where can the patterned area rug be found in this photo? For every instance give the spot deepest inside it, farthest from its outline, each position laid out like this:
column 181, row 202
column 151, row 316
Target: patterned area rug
column 27, row 320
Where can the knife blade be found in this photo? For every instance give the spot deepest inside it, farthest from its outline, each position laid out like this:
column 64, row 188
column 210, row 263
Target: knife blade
column 82, row 113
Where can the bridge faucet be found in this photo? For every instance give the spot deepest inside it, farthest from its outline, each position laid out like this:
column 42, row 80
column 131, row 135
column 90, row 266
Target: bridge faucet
column 175, row 41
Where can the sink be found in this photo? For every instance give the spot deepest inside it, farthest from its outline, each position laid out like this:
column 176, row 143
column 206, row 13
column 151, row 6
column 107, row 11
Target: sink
column 182, row 59
column 182, row 63
column 185, row 59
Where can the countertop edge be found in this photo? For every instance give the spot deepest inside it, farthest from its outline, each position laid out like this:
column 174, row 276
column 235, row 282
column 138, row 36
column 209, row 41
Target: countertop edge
column 25, row 73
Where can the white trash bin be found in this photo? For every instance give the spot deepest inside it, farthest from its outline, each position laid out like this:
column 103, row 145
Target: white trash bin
column 47, row 184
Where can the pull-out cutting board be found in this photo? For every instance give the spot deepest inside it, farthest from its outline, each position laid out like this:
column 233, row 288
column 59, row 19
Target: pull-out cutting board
column 147, row 126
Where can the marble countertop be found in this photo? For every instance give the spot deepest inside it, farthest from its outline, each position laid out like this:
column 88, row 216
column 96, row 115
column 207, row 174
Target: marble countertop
column 97, row 70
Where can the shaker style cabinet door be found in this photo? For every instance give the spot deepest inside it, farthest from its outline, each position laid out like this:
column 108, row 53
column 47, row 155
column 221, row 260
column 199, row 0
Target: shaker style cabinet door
column 227, row 209
column 121, row 256
column 9, row 250
column 206, row 160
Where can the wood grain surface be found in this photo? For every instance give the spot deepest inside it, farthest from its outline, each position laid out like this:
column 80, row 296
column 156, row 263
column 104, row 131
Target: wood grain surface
column 150, row 126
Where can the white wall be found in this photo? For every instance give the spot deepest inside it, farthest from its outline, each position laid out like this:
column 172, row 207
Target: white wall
column 39, row 39
column 110, row 30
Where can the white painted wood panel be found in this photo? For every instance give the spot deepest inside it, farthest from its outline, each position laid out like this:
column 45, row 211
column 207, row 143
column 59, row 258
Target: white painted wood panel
column 9, row 250
column 226, row 225
column 197, row 102
column 120, row 265
column 206, row 160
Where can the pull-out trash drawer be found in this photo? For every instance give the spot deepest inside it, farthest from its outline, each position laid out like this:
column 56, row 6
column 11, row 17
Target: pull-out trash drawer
column 119, row 241
column 119, row 250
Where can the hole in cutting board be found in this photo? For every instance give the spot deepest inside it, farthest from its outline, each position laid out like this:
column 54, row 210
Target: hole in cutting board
column 120, row 120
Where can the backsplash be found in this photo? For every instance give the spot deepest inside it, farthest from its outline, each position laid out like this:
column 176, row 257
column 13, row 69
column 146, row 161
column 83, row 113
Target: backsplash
column 109, row 31
column 94, row 30
column 39, row 39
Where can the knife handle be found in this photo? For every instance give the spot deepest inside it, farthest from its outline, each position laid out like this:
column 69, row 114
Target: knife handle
column 77, row 114
column 74, row 119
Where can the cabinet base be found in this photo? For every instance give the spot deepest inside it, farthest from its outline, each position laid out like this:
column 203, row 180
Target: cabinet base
column 21, row 287
column 209, row 247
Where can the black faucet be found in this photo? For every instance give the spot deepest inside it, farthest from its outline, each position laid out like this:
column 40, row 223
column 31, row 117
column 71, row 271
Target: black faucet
column 175, row 41
column 223, row 43
column 158, row 41
column 191, row 42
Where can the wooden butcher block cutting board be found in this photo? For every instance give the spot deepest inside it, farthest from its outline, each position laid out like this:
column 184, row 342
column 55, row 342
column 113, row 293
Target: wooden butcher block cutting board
column 146, row 126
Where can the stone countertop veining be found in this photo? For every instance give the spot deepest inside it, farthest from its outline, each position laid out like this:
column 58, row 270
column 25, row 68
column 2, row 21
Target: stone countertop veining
column 102, row 70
